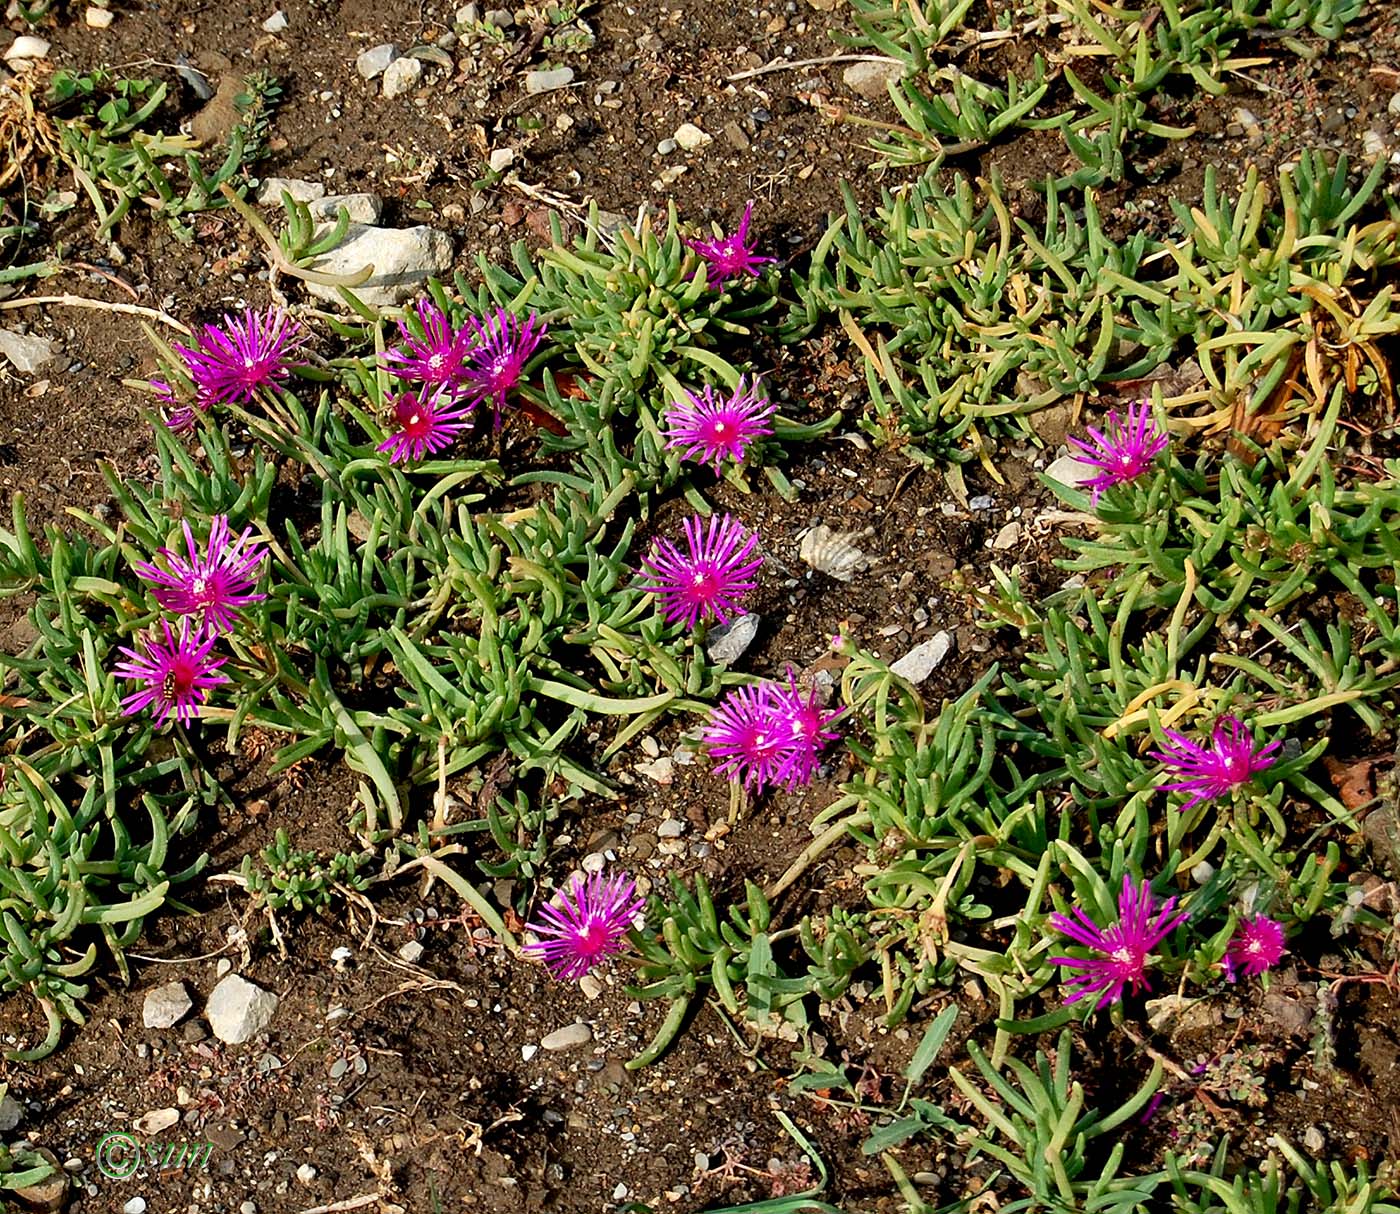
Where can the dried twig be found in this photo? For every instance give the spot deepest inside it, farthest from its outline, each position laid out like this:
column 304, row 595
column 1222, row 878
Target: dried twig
column 100, row 305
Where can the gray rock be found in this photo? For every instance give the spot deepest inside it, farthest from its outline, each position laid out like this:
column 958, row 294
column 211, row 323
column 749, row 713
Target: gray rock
column 871, row 80
column 371, row 63
column 403, row 259
column 547, row 82
column 671, row 828
column 271, row 190
column 729, row 642
column 501, row 18
column 469, row 14
column 410, row 952
column 11, row 1113
column 1008, row 537
column 983, row 501
column 26, row 352
column 238, row 1010
column 401, row 76
column 363, row 208
column 276, row 23
column 165, row 1006
column 570, row 1037
column 924, row 658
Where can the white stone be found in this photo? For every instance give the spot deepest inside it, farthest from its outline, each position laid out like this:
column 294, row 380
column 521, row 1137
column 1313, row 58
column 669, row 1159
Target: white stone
column 527, row 1052
column 276, row 23
column 410, row 952
column 97, row 18
column 403, row 259
column 362, row 208
column 306, row 1173
column 27, row 46
column 165, row 1006
column 590, row 986
column 137, row 1205
column 1008, row 537
column 924, row 658
column 155, row 1121
column 26, row 352
column 371, row 63
column 871, row 80
column 548, row 81
column 1070, row 471
column 238, row 1010
column 729, row 642
column 272, row 188
column 691, row 137
column 401, row 76
column 570, row 1037
column 500, row 160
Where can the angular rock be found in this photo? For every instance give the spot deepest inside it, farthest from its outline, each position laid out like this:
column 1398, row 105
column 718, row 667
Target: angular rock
column 165, row 1006
column 403, row 259
column 271, row 189
column 570, row 1037
column 924, row 658
column 371, row 63
column 1070, row 471
column 362, row 208
column 1008, row 537
column 26, row 352
column 11, row 1113
column 501, row 18
column 97, row 18
column 155, row 1121
column 691, row 137
column 27, row 46
column 238, row 1010
column 276, row 23
column 871, row 80
column 548, row 81
column 401, row 76
column 728, row 643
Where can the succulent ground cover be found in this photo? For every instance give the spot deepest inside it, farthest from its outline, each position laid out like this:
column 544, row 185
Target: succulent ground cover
column 1100, row 914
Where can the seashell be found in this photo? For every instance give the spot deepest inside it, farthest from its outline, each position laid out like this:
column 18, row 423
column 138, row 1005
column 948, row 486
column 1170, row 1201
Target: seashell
column 834, row 553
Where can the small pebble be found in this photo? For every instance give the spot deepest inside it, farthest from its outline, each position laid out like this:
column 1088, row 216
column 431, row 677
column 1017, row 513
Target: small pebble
column 527, row 1052
column 276, row 23
column 570, row 1037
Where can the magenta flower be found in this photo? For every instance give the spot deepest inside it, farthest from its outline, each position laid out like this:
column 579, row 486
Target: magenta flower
column 1122, row 948
column 1230, row 761
column 807, row 733
column 709, row 428
column 711, row 579
column 176, row 671
column 588, row 924
column 231, row 363
column 503, row 346
column 1125, row 452
column 729, row 256
column 440, row 357
column 1255, row 947
column 210, row 586
column 749, row 736
column 425, row 421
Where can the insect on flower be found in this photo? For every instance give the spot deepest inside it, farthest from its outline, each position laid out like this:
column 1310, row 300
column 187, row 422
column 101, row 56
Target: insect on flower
column 1124, row 451
column 711, row 578
column 503, row 345
column 426, row 420
column 212, row 585
column 231, row 362
column 176, row 672
column 729, row 256
column 1256, row 946
column 709, row 428
column 1122, row 948
column 1228, row 762
column 440, row 357
column 586, row 924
